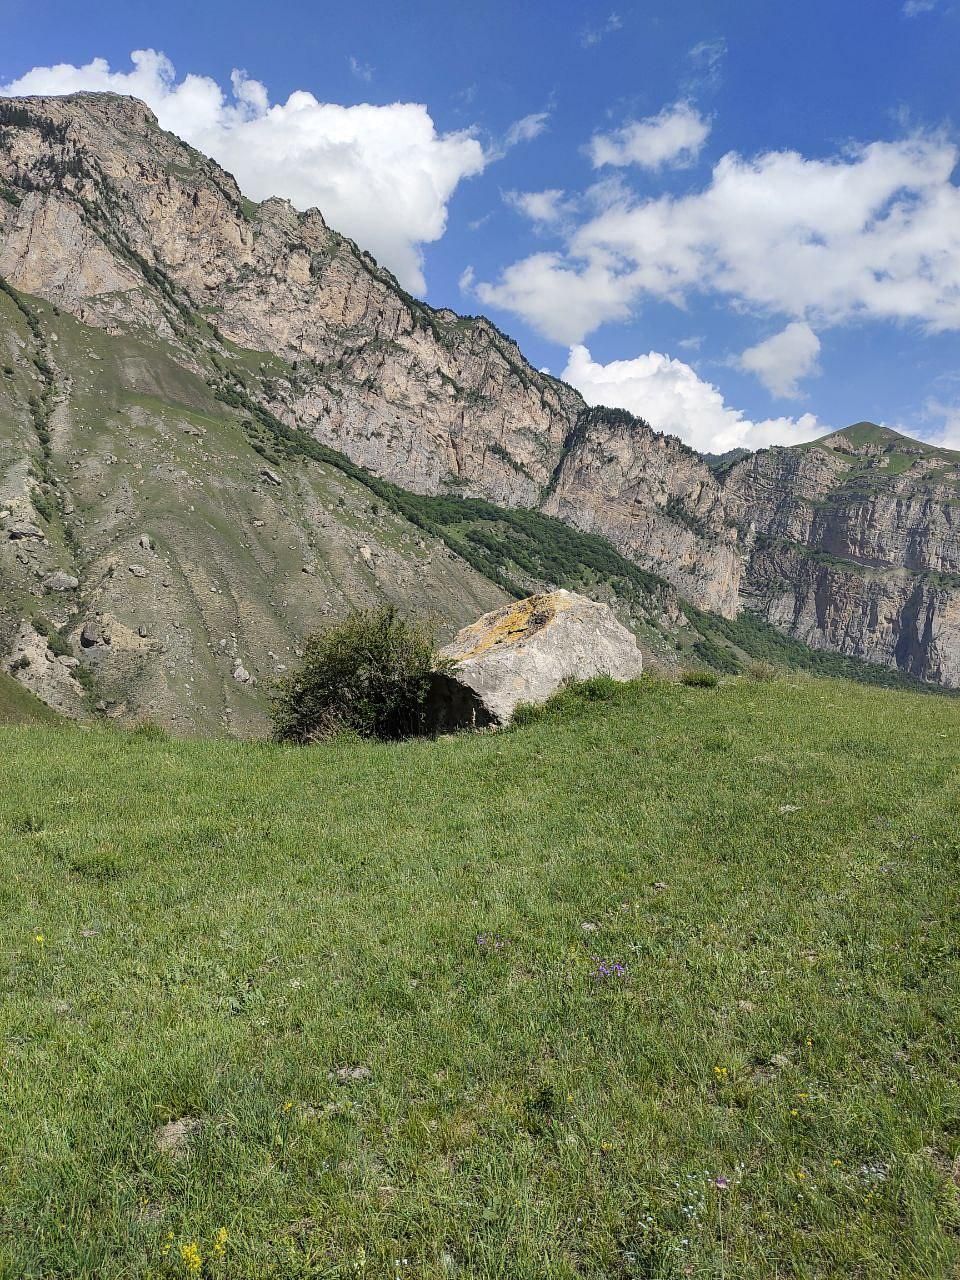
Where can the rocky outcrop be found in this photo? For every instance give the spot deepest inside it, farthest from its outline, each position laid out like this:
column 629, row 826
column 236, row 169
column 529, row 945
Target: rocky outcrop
column 856, row 547
column 523, row 653
column 655, row 500
column 125, row 228
column 119, row 221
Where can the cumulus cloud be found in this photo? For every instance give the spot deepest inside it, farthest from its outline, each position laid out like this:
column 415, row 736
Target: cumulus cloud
column 782, row 360
column 539, row 206
column 672, row 138
column 672, row 398
column 873, row 232
column 946, row 433
column 561, row 300
column 381, row 174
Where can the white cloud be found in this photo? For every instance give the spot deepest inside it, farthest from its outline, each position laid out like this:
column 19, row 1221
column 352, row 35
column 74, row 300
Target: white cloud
column 527, row 128
column 362, row 70
column 383, row 175
column 912, row 8
column 947, row 432
column 672, row 138
column 672, row 398
column 782, row 360
column 873, row 232
column 539, row 206
column 706, row 61
column 560, row 300
column 593, row 35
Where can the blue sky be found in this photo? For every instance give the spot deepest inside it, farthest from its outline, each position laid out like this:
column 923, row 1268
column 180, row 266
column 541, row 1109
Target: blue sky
column 739, row 218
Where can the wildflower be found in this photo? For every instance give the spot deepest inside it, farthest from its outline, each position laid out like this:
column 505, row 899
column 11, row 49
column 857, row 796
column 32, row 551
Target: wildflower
column 288, row 1106
column 39, row 939
column 721, row 1182
column 360, row 1264
column 721, row 1073
column 191, row 1258
column 219, row 1247
column 794, row 1111
column 604, row 970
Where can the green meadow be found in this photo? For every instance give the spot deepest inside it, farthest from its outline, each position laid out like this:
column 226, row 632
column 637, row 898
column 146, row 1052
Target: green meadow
column 662, row 984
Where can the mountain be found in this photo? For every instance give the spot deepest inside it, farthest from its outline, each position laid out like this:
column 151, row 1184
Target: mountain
column 222, row 421
column 856, row 546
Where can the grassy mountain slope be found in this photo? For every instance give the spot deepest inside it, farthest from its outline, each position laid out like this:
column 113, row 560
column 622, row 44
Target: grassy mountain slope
column 378, row 985
column 160, row 498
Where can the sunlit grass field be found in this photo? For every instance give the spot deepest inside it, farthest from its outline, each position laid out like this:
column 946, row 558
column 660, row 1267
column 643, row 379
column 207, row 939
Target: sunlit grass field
column 662, row 985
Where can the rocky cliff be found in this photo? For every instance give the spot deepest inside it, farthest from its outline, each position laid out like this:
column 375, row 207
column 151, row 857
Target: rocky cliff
column 117, row 222
column 163, row 332
column 855, row 546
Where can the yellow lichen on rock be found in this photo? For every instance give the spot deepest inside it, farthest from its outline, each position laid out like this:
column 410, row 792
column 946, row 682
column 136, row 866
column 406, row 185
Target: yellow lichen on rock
column 511, row 624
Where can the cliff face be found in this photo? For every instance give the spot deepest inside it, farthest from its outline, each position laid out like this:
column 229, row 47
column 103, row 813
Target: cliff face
column 119, row 222
column 655, row 500
column 107, row 220
column 857, row 546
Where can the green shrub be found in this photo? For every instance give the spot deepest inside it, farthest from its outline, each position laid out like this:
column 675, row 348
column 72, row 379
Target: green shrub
column 700, row 679
column 369, row 675
column 762, row 671
column 56, row 642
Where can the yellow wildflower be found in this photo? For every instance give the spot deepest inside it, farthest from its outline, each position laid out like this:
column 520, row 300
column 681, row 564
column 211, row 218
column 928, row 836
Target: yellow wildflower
column 39, row 939
column 219, row 1243
column 192, row 1261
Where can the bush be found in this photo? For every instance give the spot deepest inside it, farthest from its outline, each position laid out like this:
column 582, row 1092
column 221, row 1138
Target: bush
column 56, row 641
column 762, row 671
column 369, row 675
column 700, row 679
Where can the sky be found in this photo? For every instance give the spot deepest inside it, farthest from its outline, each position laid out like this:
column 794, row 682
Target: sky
column 739, row 219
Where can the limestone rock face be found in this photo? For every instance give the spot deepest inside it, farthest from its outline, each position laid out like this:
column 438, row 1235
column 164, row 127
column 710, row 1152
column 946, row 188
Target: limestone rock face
column 854, row 545
column 656, row 500
column 525, row 652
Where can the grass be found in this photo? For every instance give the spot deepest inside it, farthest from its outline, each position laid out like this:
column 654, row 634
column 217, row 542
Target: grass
column 19, row 706
column 768, row 1087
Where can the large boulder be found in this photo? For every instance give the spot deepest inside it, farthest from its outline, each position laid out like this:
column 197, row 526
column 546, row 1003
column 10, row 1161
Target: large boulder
column 524, row 653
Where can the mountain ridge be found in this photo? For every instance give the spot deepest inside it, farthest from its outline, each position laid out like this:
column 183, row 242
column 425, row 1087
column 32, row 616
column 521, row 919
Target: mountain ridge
column 290, row 327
